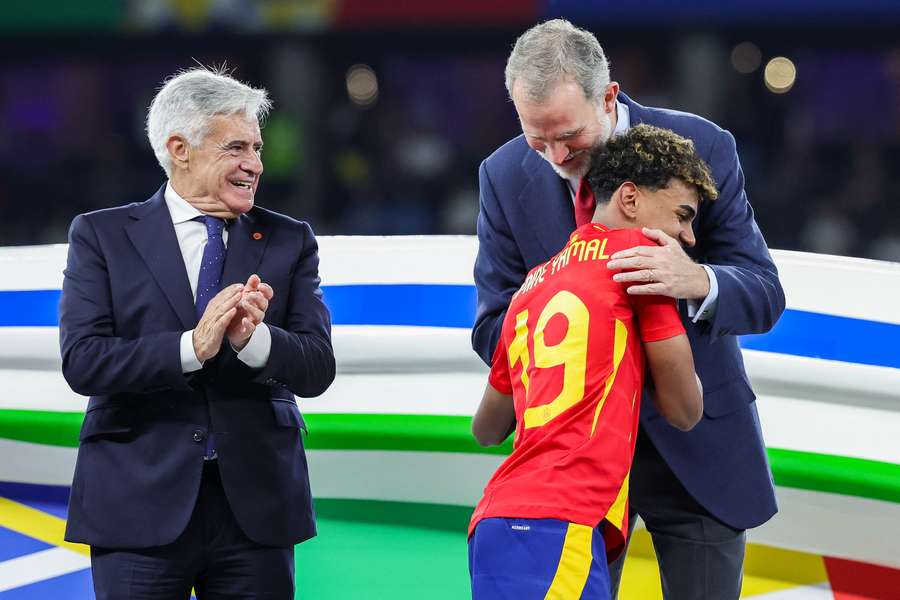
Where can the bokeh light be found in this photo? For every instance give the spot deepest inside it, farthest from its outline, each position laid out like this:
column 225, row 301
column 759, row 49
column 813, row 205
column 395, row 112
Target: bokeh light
column 746, row 57
column 780, row 75
column 362, row 85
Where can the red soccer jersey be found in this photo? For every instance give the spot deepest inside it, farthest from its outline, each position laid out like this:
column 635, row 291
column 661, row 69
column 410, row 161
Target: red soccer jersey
column 570, row 354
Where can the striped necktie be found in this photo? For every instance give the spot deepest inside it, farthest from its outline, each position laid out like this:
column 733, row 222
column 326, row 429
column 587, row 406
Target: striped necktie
column 208, row 286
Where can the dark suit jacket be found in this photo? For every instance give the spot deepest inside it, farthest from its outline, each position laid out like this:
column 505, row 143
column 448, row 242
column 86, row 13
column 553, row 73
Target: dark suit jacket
column 526, row 217
column 125, row 302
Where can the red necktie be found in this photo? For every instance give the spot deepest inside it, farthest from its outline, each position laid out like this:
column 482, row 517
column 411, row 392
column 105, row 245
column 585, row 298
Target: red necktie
column 584, row 204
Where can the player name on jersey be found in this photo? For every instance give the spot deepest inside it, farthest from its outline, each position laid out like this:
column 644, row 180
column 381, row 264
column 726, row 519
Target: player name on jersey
column 576, row 250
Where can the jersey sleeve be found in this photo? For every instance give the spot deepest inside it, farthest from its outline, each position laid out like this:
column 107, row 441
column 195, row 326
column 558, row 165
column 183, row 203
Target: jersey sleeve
column 657, row 316
column 500, row 378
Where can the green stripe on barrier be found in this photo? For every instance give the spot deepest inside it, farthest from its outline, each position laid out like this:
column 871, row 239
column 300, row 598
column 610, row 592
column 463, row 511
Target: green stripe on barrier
column 409, row 514
column 41, row 427
column 423, row 433
column 437, row 433
column 836, row 474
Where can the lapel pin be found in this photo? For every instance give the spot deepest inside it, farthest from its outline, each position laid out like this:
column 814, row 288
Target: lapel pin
column 257, row 235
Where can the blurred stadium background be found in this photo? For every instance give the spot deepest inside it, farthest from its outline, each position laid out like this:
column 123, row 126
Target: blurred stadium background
column 384, row 109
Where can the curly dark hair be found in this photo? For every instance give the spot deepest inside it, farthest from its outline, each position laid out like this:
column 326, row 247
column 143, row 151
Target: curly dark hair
column 648, row 157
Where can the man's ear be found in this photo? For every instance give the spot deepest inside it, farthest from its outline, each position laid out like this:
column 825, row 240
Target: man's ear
column 627, row 198
column 179, row 151
column 609, row 97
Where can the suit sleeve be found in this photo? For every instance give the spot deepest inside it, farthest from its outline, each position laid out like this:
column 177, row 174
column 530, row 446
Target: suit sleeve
column 751, row 298
column 301, row 357
column 499, row 269
column 94, row 360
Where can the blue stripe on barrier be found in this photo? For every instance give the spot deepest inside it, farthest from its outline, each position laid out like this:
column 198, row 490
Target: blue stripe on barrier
column 29, row 308
column 402, row 304
column 798, row 332
column 834, row 338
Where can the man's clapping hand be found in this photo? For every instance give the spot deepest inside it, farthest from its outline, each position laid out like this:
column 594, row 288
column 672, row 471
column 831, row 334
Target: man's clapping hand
column 251, row 310
column 220, row 311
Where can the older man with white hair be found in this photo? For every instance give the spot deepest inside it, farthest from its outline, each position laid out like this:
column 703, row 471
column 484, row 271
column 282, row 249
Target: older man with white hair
column 192, row 320
column 698, row 491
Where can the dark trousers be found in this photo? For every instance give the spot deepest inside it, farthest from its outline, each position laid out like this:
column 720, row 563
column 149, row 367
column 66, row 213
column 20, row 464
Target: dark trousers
column 212, row 555
column 699, row 556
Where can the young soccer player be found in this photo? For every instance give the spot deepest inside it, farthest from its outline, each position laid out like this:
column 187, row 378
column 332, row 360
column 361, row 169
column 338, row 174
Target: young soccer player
column 567, row 377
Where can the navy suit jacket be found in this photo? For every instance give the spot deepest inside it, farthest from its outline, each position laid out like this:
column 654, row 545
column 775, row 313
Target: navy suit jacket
column 125, row 302
column 526, row 217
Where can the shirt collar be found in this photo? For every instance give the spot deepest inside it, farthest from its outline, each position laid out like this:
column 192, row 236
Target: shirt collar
column 179, row 209
column 623, row 119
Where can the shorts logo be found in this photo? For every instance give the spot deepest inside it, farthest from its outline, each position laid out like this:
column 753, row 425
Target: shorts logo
column 521, row 527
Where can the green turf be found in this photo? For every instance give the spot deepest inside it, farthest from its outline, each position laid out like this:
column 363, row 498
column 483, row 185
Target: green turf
column 367, row 553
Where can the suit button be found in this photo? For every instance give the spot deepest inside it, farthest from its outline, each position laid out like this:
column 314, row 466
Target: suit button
column 198, row 436
column 271, row 381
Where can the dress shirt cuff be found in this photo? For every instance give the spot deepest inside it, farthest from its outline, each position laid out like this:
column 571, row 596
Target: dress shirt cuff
column 705, row 311
column 189, row 360
column 256, row 353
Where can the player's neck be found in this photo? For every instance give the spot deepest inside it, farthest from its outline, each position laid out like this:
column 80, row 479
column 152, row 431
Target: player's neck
column 608, row 215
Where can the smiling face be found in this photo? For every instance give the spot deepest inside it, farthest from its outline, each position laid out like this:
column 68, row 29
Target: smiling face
column 565, row 127
column 219, row 176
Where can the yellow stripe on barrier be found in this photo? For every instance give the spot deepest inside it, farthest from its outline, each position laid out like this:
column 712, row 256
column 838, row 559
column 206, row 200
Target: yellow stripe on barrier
column 37, row 524
column 574, row 564
column 775, row 569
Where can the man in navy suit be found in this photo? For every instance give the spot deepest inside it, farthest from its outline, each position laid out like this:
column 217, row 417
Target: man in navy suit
column 696, row 491
column 191, row 320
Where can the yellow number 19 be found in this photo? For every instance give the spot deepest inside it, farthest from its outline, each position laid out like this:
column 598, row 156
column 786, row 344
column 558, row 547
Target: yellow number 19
column 571, row 352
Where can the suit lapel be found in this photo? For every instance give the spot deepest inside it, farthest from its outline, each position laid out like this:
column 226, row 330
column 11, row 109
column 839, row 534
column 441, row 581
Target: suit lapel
column 247, row 240
column 153, row 236
column 547, row 204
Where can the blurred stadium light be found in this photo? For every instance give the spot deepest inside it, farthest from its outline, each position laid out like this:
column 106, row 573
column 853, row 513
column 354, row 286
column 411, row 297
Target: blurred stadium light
column 395, row 148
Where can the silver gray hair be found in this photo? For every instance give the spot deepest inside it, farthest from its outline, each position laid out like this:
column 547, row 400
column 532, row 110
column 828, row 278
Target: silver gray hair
column 190, row 99
column 555, row 51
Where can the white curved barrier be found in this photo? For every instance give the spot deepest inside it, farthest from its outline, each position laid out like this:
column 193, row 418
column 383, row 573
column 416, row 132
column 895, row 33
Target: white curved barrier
column 394, row 424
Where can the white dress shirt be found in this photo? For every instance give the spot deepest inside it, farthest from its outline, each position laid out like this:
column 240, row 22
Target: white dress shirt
column 192, row 238
column 696, row 310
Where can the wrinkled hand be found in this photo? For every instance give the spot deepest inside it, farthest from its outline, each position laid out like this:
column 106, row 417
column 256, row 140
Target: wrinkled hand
column 220, row 311
column 665, row 270
column 251, row 311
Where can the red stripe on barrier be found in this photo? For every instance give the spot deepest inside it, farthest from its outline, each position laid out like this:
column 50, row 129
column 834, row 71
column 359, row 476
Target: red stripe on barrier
column 851, row 580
